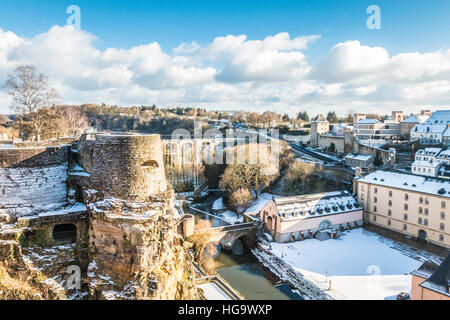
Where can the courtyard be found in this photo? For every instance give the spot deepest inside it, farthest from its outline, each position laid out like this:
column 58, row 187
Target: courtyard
column 360, row 265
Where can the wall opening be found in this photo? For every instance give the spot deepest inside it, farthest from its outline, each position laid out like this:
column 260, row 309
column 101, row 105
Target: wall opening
column 150, row 164
column 64, row 233
column 422, row 235
column 325, row 225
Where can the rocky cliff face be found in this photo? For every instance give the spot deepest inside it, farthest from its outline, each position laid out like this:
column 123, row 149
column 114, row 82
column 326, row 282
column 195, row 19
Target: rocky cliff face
column 135, row 251
column 128, row 244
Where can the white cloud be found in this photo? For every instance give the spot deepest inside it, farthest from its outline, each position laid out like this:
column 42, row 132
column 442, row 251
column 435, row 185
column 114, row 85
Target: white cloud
column 232, row 72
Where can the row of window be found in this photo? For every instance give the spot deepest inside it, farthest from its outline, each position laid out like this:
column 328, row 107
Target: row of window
column 419, row 169
column 405, row 217
column 405, row 226
column 375, row 199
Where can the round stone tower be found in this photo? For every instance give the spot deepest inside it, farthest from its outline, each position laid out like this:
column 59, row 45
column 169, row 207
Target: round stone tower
column 128, row 166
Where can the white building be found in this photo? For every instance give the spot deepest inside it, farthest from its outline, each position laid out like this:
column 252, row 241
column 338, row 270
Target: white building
column 426, row 168
column 373, row 129
column 289, row 219
column 339, row 129
column 446, row 138
column 356, row 160
column 432, row 130
column 432, row 162
column 427, row 154
column 444, row 157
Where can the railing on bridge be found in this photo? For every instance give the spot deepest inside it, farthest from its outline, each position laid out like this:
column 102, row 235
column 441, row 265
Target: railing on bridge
column 228, row 227
column 233, row 227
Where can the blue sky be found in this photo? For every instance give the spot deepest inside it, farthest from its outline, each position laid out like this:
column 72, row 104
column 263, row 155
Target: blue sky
column 124, row 53
column 407, row 25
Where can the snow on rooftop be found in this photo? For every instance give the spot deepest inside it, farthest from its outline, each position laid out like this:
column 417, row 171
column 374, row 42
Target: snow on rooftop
column 444, row 154
column 367, row 121
column 429, row 151
column 408, row 182
column 307, row 206
column 416, row 119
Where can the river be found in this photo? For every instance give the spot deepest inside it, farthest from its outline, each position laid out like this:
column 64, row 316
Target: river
column 251, row 279
column 244, row 273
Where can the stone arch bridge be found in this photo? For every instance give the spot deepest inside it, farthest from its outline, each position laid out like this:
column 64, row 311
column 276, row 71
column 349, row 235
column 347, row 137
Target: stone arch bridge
column 227, row 236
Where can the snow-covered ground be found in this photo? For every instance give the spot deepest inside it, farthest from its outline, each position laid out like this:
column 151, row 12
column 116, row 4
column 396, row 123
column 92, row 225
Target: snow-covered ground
column 257, row 205
column 217, row 205
column 213, row 292
column 360, row 264
column 231, row 217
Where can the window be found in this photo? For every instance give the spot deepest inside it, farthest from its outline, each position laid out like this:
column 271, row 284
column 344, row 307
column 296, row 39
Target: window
column 405, row 206
column 405, row 217
column 441, row 237
column 425, row 222
column 362, row 187
column 442, row 227
column 420, row 221
column 374, row 218
column 426, row 211
column 376, row 190
column 389, row 212
column 427, row 201
column 405, row 227
column 375, row 209
column 420, row 210
column 406, row 197
column 420, row 200
column 390, row 193
column 390, row 203
column 442, row 215
column 443, row 204
column 389, row 222
column 374, row 199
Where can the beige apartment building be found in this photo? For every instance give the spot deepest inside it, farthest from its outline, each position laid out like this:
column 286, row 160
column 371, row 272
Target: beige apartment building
column 412, row 205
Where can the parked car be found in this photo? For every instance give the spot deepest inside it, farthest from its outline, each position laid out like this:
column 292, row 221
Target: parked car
column 403, row 296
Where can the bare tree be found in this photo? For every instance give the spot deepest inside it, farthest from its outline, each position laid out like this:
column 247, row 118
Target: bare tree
column 30, row 93
column 74, row 121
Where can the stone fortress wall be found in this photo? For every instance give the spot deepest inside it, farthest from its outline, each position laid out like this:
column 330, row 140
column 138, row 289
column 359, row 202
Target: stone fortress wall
column 32, row 180
column 128, row 166
column 108, row 194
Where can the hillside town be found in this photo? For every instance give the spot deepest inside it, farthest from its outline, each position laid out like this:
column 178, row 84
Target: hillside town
column 353, row 209
column 211, row 158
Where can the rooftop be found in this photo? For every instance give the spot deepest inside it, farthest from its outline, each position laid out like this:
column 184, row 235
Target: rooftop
column 417, row 118
column 429, row 151
column 367, row 121
column 445, row 154
column 439, row 281
column 408, row 182
column 319, row 118
column 308, row 206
